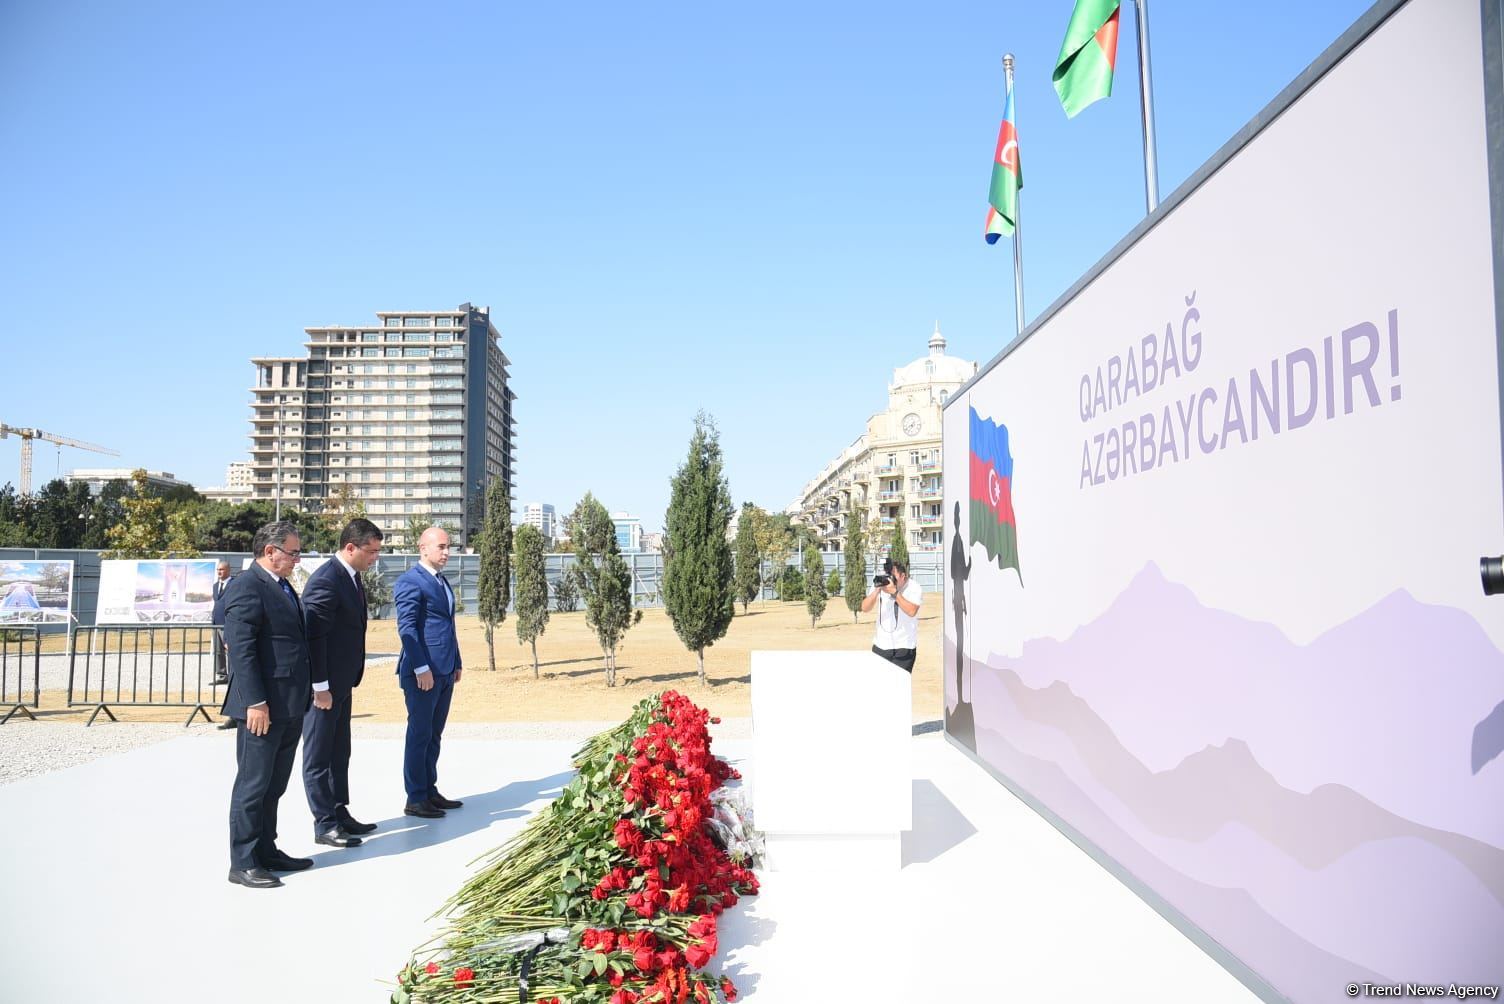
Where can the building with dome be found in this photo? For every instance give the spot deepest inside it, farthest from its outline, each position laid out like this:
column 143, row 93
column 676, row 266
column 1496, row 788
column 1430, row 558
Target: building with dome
column 894, row 467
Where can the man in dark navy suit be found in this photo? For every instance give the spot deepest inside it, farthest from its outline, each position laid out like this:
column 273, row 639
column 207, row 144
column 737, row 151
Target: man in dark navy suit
column 270, row 689
column 221, row 658
column 428, row 669
column 334, row 610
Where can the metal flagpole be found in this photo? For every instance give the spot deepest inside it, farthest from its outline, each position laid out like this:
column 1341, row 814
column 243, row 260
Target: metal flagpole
column 1018, row 212
column 1146, row 104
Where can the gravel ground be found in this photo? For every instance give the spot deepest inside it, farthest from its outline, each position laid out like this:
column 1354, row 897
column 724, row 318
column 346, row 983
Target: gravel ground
column 28, row 748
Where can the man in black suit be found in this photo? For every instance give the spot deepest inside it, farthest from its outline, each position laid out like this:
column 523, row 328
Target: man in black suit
column 334, row 611
column 270, row 689
column 221, row 660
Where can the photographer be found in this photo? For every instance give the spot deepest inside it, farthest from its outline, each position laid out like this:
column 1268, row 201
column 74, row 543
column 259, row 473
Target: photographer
column 897, row 598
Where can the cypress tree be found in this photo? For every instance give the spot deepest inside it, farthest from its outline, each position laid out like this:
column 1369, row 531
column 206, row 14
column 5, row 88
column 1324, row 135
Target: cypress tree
column 604, row 578
column 748, row 560
column 900, row 549
column 697, row 557
column 856, row 562
column 495, row 562
column 532, row 589
column 814, row 583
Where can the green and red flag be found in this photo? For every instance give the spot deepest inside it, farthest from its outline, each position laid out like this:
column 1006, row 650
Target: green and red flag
column 1007, row 179
column 1083, row 73
column 993, row 524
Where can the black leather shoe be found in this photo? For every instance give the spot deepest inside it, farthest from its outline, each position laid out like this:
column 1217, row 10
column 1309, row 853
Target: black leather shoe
column 350, row 824
column 254, row 878
column 228, row 723
column 279, row 862
column 221, row 681
column 336, row 838
column 424, row 810
column 440, row 802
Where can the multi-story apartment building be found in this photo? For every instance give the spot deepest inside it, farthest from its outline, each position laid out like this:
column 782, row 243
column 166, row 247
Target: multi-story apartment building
column 894, row 467
column 239, row 475
column 413, row 412
column 628, row 532
column 541, row 516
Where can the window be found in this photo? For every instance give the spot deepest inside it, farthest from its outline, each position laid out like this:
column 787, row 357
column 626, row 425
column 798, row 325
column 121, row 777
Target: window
column 444, row 336
column 416, row 336
column 913, row 512
column 370, row 336
column 394, row 336
column 392, row 322
column 393, row 353
column 417, row 322
column 913, row 458
column 369, row 353
column 416, row 353
column 443, row 322
column 944, row 396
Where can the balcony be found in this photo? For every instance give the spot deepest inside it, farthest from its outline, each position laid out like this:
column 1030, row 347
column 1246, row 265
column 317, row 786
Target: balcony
column 886, row 469
column 931, row 493
column 861, row 475
column 887, row 520
column 893, row 496
column 929, row 465
column 930, row 521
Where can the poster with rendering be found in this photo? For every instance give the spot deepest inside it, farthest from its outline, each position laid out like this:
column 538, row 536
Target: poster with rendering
column 151, row 591
column 36, row 592
column 1212, row 580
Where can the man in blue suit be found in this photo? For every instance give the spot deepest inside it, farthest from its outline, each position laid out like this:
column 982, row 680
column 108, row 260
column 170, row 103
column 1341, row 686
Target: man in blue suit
column 270, row 689
column 428, row 669
column 334, row 610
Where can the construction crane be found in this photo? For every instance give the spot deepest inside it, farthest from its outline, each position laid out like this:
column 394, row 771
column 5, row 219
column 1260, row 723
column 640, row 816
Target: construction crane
column 27, row 435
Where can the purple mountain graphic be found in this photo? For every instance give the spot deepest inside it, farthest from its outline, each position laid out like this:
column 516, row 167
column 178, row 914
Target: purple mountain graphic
column 1400, row 704
column 1302, row 887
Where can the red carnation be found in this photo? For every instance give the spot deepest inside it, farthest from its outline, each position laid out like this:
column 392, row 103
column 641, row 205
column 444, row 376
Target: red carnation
column 464, row 976
column 432, row 969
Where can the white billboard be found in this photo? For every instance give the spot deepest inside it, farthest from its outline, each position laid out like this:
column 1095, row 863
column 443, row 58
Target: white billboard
column 1213, row 532
column 156, row 591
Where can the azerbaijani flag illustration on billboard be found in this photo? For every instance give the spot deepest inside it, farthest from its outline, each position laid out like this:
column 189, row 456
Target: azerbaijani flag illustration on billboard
column 992, row 522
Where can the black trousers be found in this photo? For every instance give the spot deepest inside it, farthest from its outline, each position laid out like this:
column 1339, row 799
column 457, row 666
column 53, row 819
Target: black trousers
column 263, row 765
column 903, row 658
column 220, row 655
column 326, row 761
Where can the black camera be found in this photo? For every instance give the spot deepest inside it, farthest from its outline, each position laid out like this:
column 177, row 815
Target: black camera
column 1492, row 571
column 880, row 580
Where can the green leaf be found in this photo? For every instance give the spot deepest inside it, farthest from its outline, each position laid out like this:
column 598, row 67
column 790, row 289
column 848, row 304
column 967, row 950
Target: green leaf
column 571, row 881
column 599, row 962
column 585, row 967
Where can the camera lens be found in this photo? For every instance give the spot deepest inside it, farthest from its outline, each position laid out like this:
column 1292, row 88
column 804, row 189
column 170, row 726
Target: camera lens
column 1492, row 571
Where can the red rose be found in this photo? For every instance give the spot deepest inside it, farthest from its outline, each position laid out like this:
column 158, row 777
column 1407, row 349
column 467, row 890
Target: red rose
column 432, row 969
column 643, row 959
column 697, row 956
column 464, row 976
column 728, row 988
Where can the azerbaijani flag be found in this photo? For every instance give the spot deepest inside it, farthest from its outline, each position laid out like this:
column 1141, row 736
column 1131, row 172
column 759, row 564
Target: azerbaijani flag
column 1083, row 72
column 1007, row 179
column 992, row 521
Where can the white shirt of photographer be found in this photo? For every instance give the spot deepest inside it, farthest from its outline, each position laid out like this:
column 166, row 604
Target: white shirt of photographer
column 896, row 629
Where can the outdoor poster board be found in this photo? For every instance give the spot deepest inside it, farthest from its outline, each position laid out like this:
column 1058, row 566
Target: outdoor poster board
column 156, row 591
column 36, row 592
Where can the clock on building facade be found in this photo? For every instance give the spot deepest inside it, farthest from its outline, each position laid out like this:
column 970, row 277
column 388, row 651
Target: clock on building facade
column 911, row 424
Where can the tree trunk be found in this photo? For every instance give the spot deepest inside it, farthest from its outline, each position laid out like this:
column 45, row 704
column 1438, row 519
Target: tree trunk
column 700, row 655
column 535, row 658
column 491, row 647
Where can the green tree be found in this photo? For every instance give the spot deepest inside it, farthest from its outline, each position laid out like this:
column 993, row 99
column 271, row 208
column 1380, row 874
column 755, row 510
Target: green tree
column 416, row 523
column 833, row 583
column 142, row 531
column 567, row 591
column 791, row 584
column 814, row 583
column 181, row 527
column 495, row 562
column 13, row 532
column 378, row 593
column 696, row 554
column 605, row 580
column 856, row 562
column 53, row 524
column 748, row 582
column 342, row 505
column 532, row 589
column 899, row 549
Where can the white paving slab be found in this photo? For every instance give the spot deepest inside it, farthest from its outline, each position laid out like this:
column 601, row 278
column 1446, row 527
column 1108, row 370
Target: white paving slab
column 113, row 878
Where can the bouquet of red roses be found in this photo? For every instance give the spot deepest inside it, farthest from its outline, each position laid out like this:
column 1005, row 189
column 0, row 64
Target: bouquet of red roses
column 609, row 895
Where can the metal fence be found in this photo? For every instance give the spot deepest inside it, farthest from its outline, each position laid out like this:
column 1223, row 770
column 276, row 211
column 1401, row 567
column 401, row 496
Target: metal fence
column 463, row 573
column 20, row 651
column 144, row 666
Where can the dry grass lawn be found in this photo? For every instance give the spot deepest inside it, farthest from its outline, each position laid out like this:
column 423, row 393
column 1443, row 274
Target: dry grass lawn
column 571, row 682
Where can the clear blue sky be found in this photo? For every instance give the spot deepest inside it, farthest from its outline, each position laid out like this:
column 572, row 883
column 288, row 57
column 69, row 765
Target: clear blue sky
column 756, row 211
